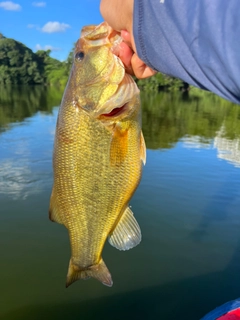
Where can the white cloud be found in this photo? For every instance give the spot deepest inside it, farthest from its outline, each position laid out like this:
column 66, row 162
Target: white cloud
column 39, row 4
column 31, row 26
column 9, row 5
column 46, row 47
column 51, row 27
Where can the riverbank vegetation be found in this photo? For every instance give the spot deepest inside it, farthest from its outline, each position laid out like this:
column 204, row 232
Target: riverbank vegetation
column 167, row 117
column 20, row 65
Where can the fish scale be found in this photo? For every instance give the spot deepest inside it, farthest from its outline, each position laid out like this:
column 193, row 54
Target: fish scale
column 97, row 160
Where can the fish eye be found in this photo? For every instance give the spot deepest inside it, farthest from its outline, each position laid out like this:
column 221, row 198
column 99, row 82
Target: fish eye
column 79, row 56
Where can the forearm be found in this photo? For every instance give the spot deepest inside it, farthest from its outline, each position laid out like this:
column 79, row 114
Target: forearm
column 197, row 41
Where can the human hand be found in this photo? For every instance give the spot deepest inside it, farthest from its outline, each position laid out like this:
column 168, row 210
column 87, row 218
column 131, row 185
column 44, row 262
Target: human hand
column 119, row 15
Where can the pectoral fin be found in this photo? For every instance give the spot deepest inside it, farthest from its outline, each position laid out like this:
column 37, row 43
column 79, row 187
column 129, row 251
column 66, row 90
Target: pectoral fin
column 127, row 233
column 143, row 153
column 119, row 145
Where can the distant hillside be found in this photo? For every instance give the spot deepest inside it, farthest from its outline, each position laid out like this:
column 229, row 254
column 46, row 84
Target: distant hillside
column 20, row 65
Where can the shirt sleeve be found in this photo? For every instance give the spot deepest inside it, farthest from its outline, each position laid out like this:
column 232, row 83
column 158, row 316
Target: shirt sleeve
column 197, row 41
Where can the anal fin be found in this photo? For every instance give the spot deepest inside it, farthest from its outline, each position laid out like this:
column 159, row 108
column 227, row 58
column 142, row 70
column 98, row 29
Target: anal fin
column 127, row 233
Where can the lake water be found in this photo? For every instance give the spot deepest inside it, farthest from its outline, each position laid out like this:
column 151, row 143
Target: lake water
column 187, row 206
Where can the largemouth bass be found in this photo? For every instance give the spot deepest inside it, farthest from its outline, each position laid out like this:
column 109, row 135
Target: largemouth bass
column 98, row 154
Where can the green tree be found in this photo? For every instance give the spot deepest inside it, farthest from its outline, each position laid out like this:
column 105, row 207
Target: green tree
column 18, row 64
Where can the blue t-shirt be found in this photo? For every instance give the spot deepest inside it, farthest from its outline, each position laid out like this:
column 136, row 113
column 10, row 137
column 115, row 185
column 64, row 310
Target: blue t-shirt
column 197, row 41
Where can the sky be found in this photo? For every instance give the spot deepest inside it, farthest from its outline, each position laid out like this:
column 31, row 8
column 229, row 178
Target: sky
column 50, row 24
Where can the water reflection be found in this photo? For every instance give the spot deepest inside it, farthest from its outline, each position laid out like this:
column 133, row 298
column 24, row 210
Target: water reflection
column 187, row 205
column 169, row 118
column 28, row 115
column 14, row 179
column 18, row 103
column 228, row 149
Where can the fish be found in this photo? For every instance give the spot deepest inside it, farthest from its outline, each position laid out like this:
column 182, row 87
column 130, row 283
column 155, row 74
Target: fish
column 98, row 155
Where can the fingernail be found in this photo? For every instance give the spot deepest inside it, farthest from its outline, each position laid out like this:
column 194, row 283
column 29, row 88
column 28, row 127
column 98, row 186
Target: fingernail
column 125, row 34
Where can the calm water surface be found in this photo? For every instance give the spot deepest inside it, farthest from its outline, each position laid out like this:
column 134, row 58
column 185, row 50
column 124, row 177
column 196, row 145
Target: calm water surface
column 187, row 206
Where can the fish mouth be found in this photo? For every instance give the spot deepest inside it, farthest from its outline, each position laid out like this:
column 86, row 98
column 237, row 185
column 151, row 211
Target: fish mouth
column 121, row 104
column 115, row 112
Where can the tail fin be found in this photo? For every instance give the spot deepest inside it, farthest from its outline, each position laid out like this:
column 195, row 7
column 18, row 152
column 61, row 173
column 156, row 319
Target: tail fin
column 98, row 271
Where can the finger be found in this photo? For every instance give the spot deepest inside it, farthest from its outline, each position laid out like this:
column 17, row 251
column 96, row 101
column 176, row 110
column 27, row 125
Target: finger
column 125, row 35
column 125, row 54
column 140, row 69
